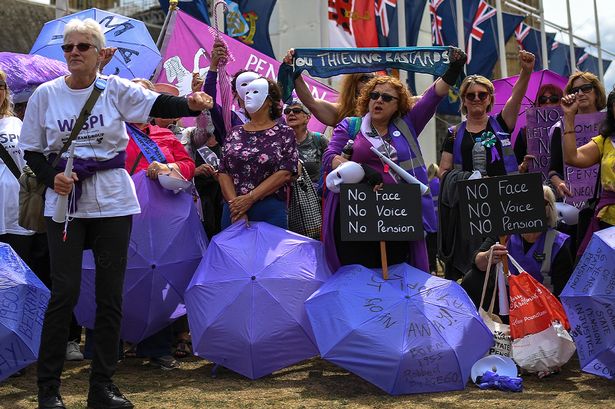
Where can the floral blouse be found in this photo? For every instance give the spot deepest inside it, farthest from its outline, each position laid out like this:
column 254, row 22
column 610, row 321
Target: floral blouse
column 250, row 157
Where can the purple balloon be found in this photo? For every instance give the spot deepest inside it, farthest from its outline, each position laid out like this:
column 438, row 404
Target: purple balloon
column 23, row 301
column 25, row 72
column 245, row 303
column 167, row 244
column 412, row 333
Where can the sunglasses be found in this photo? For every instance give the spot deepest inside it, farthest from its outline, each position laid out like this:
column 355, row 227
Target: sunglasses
column 543, row 99
column 471, row 96
column 366, row 78
column 2, row 85
column 295, row 111
column 83, row 47
column 586, row 88
column 375, row 96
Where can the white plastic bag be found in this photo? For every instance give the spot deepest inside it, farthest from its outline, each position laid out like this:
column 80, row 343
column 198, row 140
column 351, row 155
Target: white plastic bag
column 545, row 351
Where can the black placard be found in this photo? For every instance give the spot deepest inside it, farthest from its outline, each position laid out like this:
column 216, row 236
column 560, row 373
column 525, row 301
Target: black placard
column 391, row 214
column 502, row 205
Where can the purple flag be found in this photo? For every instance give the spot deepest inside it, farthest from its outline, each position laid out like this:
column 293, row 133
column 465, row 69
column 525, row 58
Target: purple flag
column 539, row 121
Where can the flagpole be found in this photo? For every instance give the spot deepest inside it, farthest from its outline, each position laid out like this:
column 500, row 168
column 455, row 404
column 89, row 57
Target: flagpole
column 543, row 39
column 461, row 33
column 573, row 65
column 163, row 30
column 598, row 44
column 324, row 24
column 401, row 35
column 501, row 42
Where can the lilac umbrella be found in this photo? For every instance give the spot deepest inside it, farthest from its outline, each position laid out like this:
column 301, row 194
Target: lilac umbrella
column 23, row 301
column 412, row 333
column 589, row 301
column 245, row 303
column 25, row 72
column 504, row 86
column 167, row 244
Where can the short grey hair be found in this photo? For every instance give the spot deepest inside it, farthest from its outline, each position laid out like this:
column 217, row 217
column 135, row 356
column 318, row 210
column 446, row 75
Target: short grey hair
column 88, row 27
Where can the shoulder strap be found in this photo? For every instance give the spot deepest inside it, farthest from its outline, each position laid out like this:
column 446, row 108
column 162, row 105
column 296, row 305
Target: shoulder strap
column 134, row 165
column 416, row 157
column 316, row 137
column 548, row 250
column 99, row 85
column 354, row 126
column 9, row 162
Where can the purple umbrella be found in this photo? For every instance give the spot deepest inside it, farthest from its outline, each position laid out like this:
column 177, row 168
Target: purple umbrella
column 25, row 72
column 504, row 86
column 167, row 244
column 23, row 301
column 245, row 303
column 589, row 301
column 412, row 333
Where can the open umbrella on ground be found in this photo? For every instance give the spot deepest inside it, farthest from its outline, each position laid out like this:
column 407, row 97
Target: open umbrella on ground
column 23, row 301
column 25, row 72
column 136, row 57
column 245, row 303
column 589, row 301
column 412, row 333
column 504, row 86
column 167, row 244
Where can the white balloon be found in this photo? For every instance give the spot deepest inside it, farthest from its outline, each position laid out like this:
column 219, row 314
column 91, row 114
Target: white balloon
column 347, row 172
column 256, row 93
column 242, row 82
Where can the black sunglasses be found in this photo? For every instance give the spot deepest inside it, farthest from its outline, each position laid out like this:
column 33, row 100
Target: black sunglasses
column 366, row 78
column 471, row 96
column 543, row 99
column 586, row 88
column 83, row 47
column 293, row 110
column 385, row 97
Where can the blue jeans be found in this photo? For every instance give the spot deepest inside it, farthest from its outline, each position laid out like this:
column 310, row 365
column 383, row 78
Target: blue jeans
column 271, row 210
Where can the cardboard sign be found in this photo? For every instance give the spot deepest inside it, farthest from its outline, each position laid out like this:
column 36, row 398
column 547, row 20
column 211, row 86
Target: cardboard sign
column 390, row 214
column 502, row 205
column 539, row 121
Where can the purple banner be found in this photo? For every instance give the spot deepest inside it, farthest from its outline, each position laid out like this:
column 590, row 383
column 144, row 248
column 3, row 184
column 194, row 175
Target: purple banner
column 186, row 50
column 539, row 121
column 583, row 181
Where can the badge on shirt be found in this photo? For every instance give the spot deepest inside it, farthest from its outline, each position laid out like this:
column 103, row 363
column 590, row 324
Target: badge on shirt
column 396, row 134
column 506, row 142
column 540, row 257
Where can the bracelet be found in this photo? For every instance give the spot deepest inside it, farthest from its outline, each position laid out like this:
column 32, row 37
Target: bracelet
column 567, row 132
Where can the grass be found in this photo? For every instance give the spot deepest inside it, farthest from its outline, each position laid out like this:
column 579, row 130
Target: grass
column 310, row 384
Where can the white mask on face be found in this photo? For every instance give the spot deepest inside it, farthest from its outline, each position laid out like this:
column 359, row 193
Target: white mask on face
column 242, row 82
column 256, row 93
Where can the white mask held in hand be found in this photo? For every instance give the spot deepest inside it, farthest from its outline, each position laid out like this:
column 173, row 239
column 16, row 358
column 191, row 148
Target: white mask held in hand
column 347, row 172
column 242, row 82
column 256, row 93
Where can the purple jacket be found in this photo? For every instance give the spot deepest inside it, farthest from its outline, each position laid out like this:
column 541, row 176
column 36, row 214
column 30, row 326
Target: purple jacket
column 209, row 88
column 527, row 260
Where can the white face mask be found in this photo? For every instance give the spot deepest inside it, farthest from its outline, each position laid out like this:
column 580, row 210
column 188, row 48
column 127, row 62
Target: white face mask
column 256, row 93
column 242, row 82
column 347, row 172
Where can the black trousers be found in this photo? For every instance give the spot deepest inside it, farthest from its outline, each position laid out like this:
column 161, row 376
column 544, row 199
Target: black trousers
column 108, row 238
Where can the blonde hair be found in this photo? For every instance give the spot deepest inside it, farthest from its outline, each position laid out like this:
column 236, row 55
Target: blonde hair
column 404, row 104
column 347, row 98
column 592, row 79
column 88, row 27
column 551, row 210
column 432, row 171
column 6, row 105
column 475, row 80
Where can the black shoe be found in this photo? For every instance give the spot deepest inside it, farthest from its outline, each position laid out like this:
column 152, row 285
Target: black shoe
column 49, row 398
column 107, row 396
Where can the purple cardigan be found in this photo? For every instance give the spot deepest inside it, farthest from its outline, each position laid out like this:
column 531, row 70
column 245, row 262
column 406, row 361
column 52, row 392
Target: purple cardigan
column 416, row 119
column 211, row 80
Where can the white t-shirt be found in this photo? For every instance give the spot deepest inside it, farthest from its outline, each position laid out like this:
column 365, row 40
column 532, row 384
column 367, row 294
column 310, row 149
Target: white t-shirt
column 51, row 112
column 10, row 128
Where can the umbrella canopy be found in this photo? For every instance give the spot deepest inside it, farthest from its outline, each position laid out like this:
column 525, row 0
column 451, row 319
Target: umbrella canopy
column 589, row 301
column 136, row 57
column 167, row 244
column 25, row 72
column 245, row 303
column 23, row 301
column 412, row 333
column 504, row 86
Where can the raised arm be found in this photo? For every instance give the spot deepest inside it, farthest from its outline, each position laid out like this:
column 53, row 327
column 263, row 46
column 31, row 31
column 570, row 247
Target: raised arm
column 511, row 109
column 584, row 156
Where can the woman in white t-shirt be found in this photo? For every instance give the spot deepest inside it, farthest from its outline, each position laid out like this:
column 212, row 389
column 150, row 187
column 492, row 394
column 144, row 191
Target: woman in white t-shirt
column 104, row 195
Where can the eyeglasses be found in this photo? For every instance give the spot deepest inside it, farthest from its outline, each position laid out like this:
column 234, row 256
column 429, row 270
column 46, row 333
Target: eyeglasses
column 2, row 85
column 586, row 88
column 375, row 96
column 293, row 110
column 471, row 96
column 366, row 78
column 543, row 99
column 83, row 47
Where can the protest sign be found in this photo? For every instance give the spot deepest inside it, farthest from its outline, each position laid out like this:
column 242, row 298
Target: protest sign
column 582, row 182
column 502, row 205
column 390, row 214
column 539, row 122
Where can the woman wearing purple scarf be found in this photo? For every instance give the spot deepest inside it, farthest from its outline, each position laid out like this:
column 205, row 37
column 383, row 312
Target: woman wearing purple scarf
column 103, row 218
column 391, row 124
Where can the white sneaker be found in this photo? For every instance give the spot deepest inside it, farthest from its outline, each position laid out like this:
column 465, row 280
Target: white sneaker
column 73, row 353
